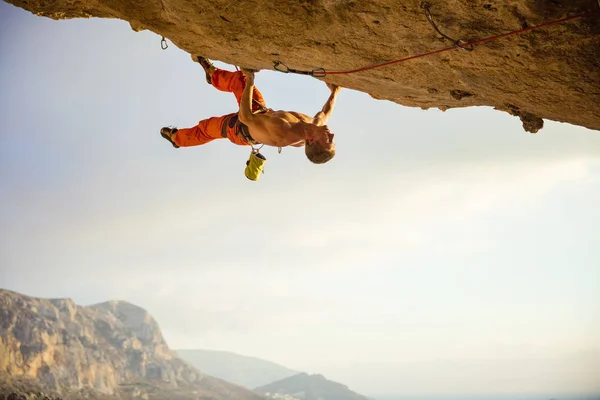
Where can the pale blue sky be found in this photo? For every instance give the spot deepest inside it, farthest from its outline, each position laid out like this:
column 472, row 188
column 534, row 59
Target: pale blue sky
column 438, row 252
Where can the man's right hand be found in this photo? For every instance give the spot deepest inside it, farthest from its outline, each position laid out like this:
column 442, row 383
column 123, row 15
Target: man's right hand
column 249, row 74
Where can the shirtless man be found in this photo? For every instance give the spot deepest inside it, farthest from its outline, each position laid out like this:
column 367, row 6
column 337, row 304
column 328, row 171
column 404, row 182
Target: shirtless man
column 256, row 124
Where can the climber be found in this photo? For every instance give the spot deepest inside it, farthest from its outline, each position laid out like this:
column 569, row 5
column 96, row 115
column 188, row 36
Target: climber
column 256, row 124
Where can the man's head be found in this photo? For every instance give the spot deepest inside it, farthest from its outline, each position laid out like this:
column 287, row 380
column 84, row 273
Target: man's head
column 319, row 146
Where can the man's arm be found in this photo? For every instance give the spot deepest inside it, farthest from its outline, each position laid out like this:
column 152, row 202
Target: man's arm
column 322, row 116
column 246, row 115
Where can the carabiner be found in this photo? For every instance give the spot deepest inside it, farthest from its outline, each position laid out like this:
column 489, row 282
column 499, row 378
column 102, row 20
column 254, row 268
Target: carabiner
column 461, row 44
column 277, row 65
column 319, row 73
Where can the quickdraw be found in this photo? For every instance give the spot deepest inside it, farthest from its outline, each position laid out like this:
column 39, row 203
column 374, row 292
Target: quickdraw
column 316, row 73
column 461, row 44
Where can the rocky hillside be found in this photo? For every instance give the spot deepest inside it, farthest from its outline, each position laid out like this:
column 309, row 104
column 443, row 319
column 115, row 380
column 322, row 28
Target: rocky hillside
column 308, row 387
column 108, row 350
column 248, row 372
column 551, row 73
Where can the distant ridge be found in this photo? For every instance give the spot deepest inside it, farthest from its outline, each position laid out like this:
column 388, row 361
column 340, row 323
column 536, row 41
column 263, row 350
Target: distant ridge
column 308, row 387
column 249, row 372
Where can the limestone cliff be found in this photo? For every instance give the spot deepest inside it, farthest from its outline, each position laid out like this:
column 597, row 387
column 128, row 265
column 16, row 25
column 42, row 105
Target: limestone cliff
column 113, row 349
column 552, row 73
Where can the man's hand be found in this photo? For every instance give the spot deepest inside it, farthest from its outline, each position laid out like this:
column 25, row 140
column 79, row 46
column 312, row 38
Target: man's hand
column 249, row 74
column 333, row 87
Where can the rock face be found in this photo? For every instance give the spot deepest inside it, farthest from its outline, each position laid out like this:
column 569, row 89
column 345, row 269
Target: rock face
column 112, row 349
column 551, row 73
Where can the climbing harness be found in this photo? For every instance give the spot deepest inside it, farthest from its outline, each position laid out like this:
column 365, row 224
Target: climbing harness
column 255, row 164
column 461, row 44
column 322, row 73
column 163, row 43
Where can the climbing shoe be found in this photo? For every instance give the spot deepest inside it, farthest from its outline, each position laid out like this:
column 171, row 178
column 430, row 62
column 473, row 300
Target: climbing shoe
column 166, row 133
column 208, row 66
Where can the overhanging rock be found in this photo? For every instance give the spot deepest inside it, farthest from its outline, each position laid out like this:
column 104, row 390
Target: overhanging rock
column 551, row 73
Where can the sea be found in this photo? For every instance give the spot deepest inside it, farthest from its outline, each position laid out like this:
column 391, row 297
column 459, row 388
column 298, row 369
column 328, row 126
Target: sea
column 544, row 396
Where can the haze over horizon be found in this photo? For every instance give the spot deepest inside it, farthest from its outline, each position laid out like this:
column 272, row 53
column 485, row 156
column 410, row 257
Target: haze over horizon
column 438, row 252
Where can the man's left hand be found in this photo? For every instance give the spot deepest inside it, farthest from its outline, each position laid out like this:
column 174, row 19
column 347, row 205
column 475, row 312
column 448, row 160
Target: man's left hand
column 333, row 87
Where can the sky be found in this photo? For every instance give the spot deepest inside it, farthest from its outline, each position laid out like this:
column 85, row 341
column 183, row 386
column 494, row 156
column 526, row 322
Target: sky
column 438, row 252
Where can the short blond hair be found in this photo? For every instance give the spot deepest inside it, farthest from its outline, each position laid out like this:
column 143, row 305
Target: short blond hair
column 317, row 154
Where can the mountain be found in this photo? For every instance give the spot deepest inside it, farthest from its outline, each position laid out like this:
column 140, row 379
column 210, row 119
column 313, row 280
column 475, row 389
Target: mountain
column 550, row 72
column 308, row 387
column 112, row 350
column 245, row 371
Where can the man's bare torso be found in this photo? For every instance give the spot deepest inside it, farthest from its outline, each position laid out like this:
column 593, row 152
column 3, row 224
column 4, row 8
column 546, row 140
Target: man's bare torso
column 273, row 128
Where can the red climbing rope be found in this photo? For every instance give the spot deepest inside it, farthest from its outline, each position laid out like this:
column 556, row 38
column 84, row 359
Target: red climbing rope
column 321, row 73
column 473, row 43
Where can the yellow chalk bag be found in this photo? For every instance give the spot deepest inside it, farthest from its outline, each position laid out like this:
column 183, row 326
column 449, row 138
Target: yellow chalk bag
column 255, row 165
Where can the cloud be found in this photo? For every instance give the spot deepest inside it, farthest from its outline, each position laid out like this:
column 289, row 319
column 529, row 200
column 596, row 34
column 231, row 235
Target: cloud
column 442, row 208
column 411, row 211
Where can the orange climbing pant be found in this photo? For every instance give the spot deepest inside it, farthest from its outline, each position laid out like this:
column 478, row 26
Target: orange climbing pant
column 226, row 126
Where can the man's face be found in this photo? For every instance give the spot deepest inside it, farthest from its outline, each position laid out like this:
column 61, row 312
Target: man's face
column 323, row 135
